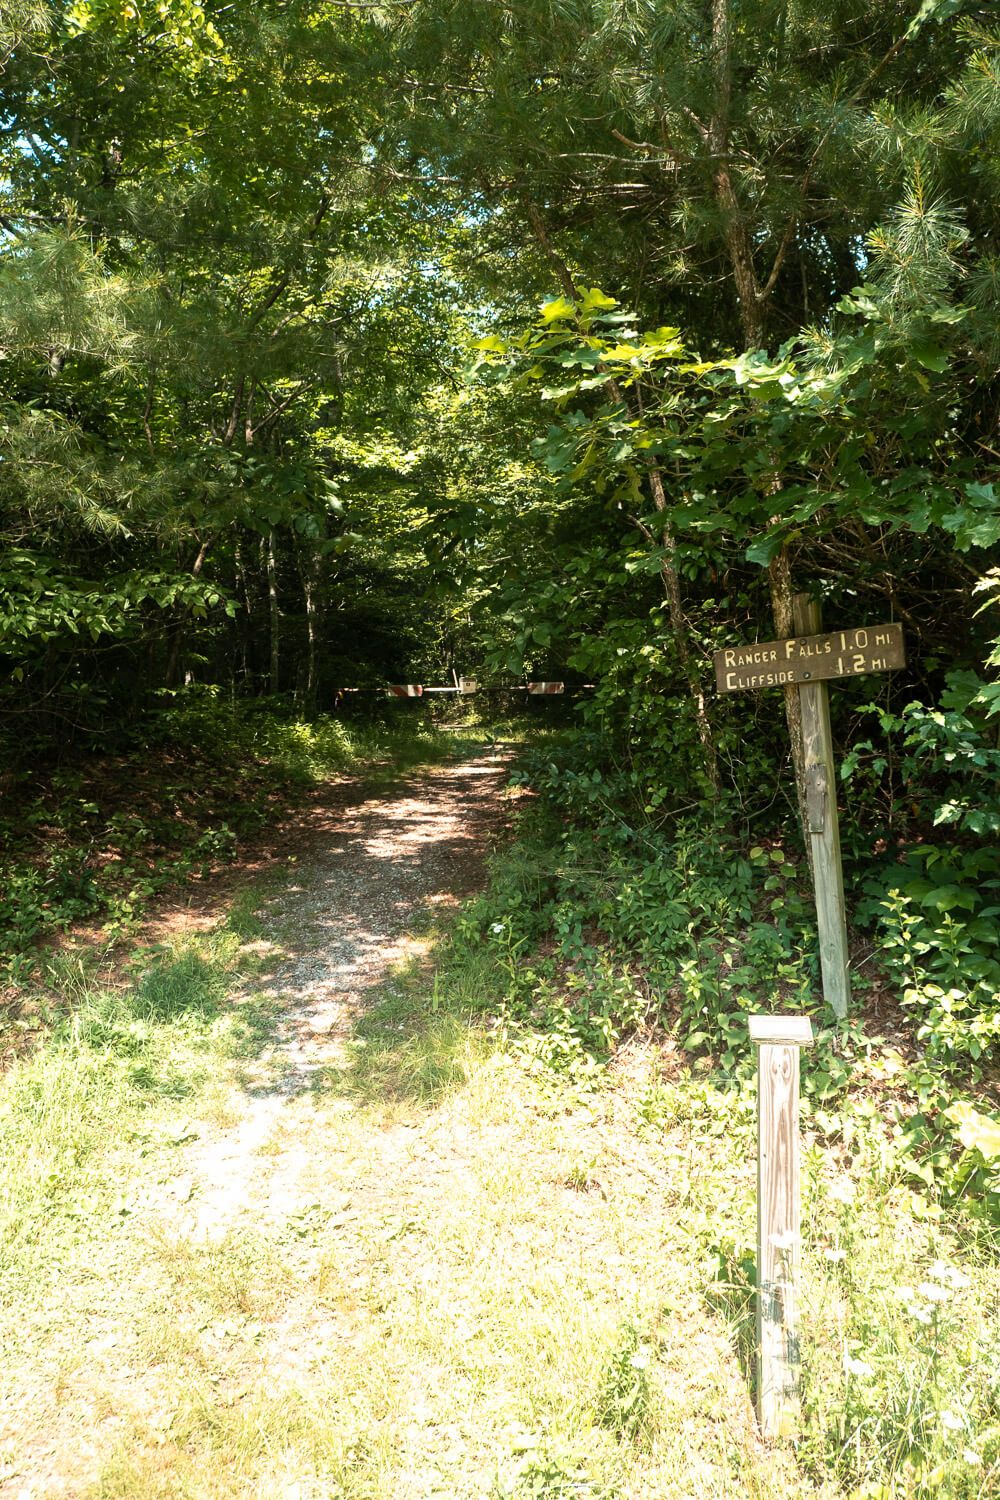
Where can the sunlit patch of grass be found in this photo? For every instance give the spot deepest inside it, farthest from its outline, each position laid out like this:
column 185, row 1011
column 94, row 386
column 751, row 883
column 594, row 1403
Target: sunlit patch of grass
column 117, row 1062
column 242, row 1273
column 243, row 917
column 164, row 1338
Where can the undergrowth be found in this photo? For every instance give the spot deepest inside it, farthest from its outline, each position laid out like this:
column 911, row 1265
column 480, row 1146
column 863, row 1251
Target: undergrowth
column 607, row 923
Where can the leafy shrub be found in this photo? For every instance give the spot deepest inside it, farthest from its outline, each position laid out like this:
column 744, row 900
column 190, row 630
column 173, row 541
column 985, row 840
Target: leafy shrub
column 602, row 924
column 936, row 905
column 624, row 1402
column 934, row 902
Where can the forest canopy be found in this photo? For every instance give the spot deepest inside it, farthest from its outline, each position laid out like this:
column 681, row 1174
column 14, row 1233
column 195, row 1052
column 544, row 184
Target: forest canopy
column 257, row 262
column 349, row 343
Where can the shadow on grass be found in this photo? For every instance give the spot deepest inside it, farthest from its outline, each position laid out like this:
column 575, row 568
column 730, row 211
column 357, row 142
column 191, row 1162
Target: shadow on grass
column 403, row 1052
column 733, row 1295
column 160, row 1033
column 417, row 1038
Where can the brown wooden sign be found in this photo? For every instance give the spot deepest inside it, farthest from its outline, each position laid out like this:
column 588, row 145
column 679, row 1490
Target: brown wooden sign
column 810, row 658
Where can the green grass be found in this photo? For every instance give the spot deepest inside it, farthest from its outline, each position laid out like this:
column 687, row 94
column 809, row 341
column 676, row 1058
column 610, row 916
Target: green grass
column 447, row 1267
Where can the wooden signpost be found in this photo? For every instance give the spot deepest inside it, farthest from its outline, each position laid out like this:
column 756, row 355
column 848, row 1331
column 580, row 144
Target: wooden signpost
column 809, row 658
column 808, row 661
column 778, row 1039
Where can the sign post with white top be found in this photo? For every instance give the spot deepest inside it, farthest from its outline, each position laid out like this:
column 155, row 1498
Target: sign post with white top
column 778, row 1039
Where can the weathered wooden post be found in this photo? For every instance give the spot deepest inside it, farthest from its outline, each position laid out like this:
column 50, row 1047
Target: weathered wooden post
column 823, row 831
column 778, row 1039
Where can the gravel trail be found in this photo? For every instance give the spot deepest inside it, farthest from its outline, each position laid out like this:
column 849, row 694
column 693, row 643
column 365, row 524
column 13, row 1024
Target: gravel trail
column 386, row 862
column 375, row 870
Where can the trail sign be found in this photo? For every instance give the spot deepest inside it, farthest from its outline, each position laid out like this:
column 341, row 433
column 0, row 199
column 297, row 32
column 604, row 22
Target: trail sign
column 810, row 658
column 544, row 689
column 806, row 662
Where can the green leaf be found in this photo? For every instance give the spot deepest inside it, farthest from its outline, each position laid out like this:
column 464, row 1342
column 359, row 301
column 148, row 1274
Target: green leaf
column 764, row 549
column 592, row 299
column 558, row 309
column 931, row 356
column 932, row 10
column 976, row 1132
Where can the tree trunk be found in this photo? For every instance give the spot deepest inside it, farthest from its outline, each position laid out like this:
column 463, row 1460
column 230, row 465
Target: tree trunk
column 243, row 611
column 174, row 653
column 274, row 613
column 678, row 621
column 737, row 235
column 740, row 259
column 311, row 573
column 752, row 303
column 180, row 631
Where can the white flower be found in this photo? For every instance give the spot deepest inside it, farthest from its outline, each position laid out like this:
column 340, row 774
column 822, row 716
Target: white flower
column 971, row 1457
column 933, row 1292
column 950, row 1275
column 497, row 927
column 835, row 1255
column 921, row 1314
column 859, row 1367
column 640, row 1359
column 843, row 1191
column 905, row 1293
column 952, row 1422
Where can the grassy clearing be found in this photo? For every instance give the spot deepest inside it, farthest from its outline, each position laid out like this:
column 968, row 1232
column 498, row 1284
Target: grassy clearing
column 448, row 1279
column 448, row 1267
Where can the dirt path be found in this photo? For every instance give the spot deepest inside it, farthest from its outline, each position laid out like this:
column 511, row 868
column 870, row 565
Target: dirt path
column 377, row 869
column 385, row 864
